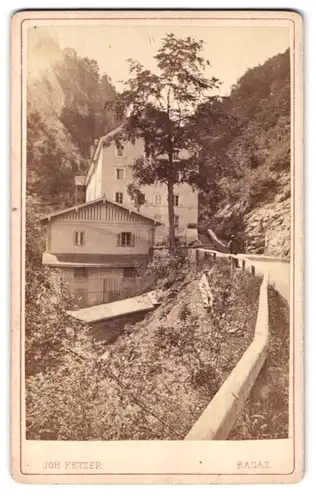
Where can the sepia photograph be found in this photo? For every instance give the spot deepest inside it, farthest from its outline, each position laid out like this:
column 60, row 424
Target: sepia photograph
column 157, row 215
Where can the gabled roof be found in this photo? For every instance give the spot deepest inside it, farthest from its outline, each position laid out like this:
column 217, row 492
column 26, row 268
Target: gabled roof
column 102, row 141
column 94, row 202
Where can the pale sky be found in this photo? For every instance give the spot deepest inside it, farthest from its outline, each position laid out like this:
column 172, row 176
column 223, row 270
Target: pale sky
column 230, row 50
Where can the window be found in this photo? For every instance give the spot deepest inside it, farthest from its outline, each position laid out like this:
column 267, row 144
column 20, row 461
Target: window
column 120, row 174
column 79, row 238
column 126, row 240
column 176, row 200
column 176, row 176
column 157, row 199
column 176, row 221
column 175, row 156
column 141, row 199
column 119, row 197
column 129, row 272
column 119, row 150
column 80, row 272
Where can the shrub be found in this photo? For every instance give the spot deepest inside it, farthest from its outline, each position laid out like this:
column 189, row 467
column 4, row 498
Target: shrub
column 167, row 337
column 206, row 378
column 166, row 269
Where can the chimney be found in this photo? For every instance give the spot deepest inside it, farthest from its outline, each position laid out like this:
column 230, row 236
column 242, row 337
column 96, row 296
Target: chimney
column 80, row 190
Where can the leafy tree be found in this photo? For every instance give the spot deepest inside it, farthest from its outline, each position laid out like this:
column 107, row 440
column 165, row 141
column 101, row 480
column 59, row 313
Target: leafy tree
column 49, row 331
column 136, row 195
column 158, row 108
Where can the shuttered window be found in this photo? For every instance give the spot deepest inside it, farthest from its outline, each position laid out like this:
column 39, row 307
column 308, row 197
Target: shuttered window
column 126, row 239
column 79, row 239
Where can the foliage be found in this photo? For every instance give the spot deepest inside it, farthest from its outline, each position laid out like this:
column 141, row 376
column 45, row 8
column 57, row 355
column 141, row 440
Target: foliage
column 49, row 331
column 166, row 269
column 50, row 168
column 247, row 161
column 136, row 195
column 158, row 108
column 83, row 114
column 153, row 382
column 65, row 117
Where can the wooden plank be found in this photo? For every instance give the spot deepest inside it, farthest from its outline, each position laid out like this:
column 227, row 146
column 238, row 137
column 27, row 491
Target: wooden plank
column 115, row 309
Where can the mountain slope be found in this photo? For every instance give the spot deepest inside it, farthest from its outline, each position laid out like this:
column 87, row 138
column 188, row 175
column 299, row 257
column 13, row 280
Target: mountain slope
column 252, row 197
column 66, row 96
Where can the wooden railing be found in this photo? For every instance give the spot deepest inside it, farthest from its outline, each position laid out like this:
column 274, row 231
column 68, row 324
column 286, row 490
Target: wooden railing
column 237, row 261
column 219, row 417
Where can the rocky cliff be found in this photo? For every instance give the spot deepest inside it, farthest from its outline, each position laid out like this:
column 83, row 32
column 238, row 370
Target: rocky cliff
column 66, row 97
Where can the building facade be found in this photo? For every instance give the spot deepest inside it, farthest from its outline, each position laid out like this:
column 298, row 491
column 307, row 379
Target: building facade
column 97, row 248
column 110, row 174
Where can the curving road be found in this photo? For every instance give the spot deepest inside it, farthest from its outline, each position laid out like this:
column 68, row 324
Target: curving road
column 279, row 273
column 279, row 269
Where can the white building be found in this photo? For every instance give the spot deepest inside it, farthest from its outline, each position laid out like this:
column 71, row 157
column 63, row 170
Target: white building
column 110, row 174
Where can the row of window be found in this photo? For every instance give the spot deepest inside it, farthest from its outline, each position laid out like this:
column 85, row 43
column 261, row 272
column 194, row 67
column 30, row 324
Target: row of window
column 119, row 198
column 120, row 152
column 120, row 175
column 124, row 239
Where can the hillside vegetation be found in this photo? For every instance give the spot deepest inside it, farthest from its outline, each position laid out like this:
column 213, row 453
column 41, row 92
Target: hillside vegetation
column 66, row 96
column 251, row 191
column 157, row 378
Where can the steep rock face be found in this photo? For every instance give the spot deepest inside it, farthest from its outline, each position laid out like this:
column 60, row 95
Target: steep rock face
column 65, row 98
column 268, row 229
column 264, row 229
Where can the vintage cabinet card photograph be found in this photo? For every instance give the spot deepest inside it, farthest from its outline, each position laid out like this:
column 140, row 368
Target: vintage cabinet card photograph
column 157, row 247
